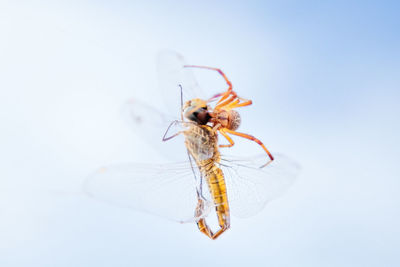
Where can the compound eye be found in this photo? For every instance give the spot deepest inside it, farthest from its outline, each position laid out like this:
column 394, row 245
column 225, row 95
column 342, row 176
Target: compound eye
column 203, row 117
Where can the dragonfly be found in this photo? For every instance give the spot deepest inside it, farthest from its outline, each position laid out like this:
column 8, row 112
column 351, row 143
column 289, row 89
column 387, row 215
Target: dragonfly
column 205, row 179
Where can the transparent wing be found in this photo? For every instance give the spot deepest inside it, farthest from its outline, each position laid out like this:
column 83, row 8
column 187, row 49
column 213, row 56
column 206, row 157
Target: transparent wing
column 171, row 74
column 151, row 125
column 169, row 191
column 250, row 187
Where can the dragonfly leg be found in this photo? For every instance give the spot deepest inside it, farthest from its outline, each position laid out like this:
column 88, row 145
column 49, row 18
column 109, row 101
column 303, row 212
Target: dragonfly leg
column 165, row 138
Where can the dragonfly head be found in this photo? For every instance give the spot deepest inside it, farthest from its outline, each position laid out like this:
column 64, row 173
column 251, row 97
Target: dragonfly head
column 196, row 110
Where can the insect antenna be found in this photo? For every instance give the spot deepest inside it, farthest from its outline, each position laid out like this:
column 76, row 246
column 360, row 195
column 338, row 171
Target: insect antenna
column 181, row 101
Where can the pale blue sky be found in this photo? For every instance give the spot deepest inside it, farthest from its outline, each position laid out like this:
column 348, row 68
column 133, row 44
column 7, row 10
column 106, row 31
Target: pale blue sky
column 324, row 78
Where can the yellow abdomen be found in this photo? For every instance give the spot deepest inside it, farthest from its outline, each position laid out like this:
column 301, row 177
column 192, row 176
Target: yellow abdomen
column 202, row 143
column 217, row 187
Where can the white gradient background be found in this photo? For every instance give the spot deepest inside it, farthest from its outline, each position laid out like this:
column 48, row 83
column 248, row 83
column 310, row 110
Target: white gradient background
column 324, row 78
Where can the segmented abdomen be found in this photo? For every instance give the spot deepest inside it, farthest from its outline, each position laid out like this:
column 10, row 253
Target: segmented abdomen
column 217, row 187
column 202, row 144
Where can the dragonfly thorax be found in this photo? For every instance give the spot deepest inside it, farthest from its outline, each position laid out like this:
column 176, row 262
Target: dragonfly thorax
column 202, row 143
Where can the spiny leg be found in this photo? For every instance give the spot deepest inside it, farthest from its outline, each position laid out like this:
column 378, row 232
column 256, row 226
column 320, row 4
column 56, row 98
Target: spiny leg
column 234, row 102
column 214, row 97
column 215, row 69
column 225, row 100
column 232, row 98
column 252, row 138
column 224, row 95
column 232, row 105
column 231, row 143
column 243, row 104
